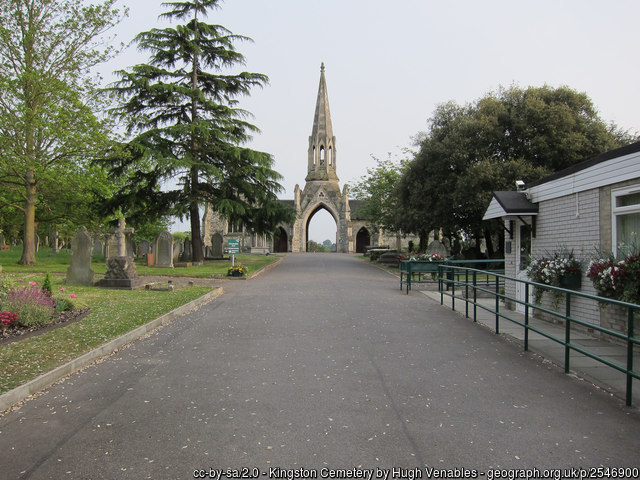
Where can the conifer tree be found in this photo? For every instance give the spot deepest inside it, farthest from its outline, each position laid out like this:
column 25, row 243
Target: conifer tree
column 182, row 116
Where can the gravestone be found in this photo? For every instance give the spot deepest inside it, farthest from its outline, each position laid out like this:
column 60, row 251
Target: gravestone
column 79, row 271
column 121, row 270
column 144, row 247
column 186, row 253
column 130, row 245
column 438, row 247
column 111, row 249
column 163, row 250
column 216, row 245
column 389, row 258
column 177, row 251
column 98, row 247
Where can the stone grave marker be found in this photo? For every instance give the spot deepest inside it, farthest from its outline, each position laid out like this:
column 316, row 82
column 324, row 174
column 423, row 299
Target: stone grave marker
column 216, row 245
column 163, row 249
column 121, row 270
column 186, row 253
column 130, row 245
column 178, row 248
column 79, row 271
column 438, row 246
column 111, row 249
column 144, row 247
column 98, row 247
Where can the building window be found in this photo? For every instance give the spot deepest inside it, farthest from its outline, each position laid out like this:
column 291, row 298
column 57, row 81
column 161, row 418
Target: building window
column 235, row 226
column 626, row 220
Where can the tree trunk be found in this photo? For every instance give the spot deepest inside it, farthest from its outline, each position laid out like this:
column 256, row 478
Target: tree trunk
column 29, row 239
column 196, row 238
column 489, row 241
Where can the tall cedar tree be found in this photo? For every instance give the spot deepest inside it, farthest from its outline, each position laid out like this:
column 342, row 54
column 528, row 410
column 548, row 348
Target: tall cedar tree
column 181, row 112
column 47, row 125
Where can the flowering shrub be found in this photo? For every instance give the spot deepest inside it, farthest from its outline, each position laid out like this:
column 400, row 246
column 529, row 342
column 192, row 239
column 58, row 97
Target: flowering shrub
column 617, row 279
column 431, row 257
column 238, row 270
column 7, row 319
column 32, row 306
column 551, row 270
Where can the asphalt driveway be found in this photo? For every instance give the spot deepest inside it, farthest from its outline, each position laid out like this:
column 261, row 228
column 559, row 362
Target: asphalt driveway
column 320, row 366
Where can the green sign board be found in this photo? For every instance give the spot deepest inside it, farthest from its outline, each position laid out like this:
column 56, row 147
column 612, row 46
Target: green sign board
column 233, row 244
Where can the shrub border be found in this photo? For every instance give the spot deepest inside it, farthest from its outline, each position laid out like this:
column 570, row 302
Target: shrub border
column 23, row 392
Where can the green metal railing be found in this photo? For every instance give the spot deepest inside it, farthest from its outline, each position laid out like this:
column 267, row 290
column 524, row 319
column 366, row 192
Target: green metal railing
column 460, row 283
column 422, row 269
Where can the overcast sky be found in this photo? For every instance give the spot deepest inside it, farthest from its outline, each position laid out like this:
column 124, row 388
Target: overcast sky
column 390, row 63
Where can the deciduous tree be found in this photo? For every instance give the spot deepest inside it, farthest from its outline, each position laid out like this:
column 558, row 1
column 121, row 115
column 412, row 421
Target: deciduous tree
column 48, row 128
column 472, row 150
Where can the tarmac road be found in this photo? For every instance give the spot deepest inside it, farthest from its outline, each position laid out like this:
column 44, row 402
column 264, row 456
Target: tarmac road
column 320, row 364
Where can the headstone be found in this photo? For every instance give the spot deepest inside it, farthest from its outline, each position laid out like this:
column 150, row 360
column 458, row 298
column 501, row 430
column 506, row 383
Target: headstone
column 98, row 247
column 121, row 270
column 79, row 271
column 438, row 247
column 389, row 258
column 144, row 247
column 130, row 244
column 187, row 252
column 177, row 251
column 216, row 245
column 112, row 247
column 163, row 250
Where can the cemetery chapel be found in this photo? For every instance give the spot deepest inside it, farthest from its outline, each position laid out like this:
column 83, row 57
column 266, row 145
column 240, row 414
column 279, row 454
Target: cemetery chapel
column 321, row 191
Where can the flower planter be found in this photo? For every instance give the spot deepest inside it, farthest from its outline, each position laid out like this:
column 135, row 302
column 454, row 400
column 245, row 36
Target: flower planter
column 236, row 274
column 572, row 281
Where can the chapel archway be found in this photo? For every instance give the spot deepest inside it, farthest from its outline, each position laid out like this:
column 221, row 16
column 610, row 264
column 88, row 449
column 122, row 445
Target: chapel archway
column 363, row 239
column 281, row 241
column 321, row 208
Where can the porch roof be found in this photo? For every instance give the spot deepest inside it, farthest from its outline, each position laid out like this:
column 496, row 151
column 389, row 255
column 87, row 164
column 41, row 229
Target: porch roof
column 504, row 204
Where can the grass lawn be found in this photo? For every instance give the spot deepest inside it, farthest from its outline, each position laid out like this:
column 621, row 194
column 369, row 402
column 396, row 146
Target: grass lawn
column 113, row 312
column 47, row 261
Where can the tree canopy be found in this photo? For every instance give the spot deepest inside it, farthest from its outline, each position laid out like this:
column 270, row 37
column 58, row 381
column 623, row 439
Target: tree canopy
column 472, row 150
column 48, row 129
column 184, row 126
column 376, row 189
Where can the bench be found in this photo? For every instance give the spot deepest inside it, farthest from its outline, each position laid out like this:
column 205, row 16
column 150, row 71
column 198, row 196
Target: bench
column 409, row 268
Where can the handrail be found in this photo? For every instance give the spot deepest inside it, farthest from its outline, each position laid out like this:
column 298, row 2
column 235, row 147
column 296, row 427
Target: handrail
column 446, row 279
column 407, row 271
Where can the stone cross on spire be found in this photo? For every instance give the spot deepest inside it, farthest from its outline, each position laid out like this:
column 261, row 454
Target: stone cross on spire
column 322, row 143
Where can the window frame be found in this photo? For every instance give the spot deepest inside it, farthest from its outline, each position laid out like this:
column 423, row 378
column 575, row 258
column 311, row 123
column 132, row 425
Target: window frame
column 619, row 211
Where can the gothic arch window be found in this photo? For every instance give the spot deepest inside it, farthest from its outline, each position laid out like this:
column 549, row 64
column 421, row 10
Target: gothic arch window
column 322, row 155
column 330, row 156
column 314, row 155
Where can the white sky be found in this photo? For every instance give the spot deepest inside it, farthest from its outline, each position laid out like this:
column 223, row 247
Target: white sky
column 390, row 63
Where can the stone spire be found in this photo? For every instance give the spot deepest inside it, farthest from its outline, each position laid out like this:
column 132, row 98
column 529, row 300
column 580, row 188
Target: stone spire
column 322, row 143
